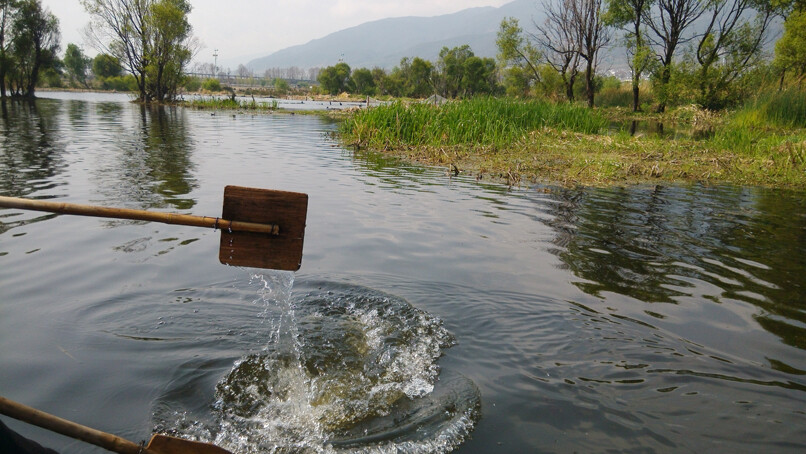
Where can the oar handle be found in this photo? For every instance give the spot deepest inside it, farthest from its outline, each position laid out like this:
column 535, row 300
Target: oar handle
column 73, row 430
column 138, row 215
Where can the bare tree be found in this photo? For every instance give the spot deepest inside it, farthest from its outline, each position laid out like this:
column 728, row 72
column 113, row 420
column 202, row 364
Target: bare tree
column 594, row 36
column 560, row 40
column 118, row 28
column 243, row 71
column 667, row 22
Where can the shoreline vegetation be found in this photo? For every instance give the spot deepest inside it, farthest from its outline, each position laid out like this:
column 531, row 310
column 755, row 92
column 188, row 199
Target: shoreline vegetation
column 527, row 141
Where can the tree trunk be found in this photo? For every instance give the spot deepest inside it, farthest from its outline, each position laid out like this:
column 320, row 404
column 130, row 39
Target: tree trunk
column 665, row 77
column 635, row 100
column 589, row 83
column 31, row 88
column 569, row 87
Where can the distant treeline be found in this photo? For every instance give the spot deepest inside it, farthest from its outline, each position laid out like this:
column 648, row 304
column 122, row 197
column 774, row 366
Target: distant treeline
column 457, row 73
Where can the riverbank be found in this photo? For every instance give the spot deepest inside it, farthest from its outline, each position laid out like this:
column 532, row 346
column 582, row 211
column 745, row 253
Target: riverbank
column 570, row 146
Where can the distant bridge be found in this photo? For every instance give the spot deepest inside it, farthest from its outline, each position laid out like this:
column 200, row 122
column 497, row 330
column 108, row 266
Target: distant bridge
column 237, row 81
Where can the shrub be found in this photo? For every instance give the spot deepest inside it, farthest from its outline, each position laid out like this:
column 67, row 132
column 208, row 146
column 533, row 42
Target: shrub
column 119, row 83
column 193, row 84
column 211, row 85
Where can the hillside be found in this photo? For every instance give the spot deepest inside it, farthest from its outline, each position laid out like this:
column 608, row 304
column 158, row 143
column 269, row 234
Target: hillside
column 384, row 42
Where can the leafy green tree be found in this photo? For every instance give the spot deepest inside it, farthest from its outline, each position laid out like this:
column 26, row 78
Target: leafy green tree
column 335, row 79
column 166, row 55
column 363, row 81
column 34, row 45
column 151, row 38
column 517, row 82
column 518, row 56
column 381, row 81
column 280, row 85
column 790, row 50
column 192, row 84
column 105, row 65
column 212, row 85
column 77, row 65
column 451, row 69
column 479, row 76
column 415, row 77
column 168, row 52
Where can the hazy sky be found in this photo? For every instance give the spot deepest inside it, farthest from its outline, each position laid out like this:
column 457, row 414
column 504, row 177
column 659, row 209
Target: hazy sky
column 245, row 29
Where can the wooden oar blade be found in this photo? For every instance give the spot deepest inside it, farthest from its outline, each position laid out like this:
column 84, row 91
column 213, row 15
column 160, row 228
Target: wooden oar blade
column 163, row 444
column 280, row 252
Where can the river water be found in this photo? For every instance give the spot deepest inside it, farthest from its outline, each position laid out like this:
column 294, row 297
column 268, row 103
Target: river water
column 431, row 312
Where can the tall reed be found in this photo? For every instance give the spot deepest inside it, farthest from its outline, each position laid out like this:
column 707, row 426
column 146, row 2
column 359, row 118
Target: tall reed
column 477, row 121
column 786, row 108
column 764, row 122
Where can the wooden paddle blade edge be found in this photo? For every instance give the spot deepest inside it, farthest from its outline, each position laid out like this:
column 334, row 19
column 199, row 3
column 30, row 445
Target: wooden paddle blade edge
column 265, row 206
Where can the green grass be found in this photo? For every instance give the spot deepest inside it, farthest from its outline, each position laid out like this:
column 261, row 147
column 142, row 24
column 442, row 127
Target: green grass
column 489, row 121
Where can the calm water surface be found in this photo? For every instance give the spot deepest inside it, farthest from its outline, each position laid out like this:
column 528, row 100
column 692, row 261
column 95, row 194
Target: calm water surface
column 431, row 313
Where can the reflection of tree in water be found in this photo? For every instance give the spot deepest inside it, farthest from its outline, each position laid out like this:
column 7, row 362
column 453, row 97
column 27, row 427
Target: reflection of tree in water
column 152, row 164
column 168, row 151
column 77, row 113
column 661, row 244
column 30, row 155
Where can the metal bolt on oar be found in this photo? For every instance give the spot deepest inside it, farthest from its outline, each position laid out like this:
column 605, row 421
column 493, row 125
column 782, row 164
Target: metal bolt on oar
column 260, row 228
column 159, row 444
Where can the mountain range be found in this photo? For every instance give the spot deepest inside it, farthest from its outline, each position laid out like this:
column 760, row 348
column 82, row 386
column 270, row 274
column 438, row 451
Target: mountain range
column 382, row 43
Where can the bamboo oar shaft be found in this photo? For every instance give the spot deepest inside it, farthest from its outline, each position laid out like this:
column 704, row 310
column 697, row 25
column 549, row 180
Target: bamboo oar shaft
column 138, row 215
column 73, row 430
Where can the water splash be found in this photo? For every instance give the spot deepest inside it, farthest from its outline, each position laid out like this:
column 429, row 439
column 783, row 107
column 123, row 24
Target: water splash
column 343, row 369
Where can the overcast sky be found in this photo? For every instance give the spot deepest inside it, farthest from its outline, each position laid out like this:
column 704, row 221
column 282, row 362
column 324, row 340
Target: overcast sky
column 246, row 29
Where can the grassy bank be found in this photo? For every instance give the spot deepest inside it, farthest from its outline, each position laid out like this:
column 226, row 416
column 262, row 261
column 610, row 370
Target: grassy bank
column 559, row 143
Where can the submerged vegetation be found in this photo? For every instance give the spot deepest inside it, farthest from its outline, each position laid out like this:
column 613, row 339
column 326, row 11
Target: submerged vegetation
column 529, row 140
